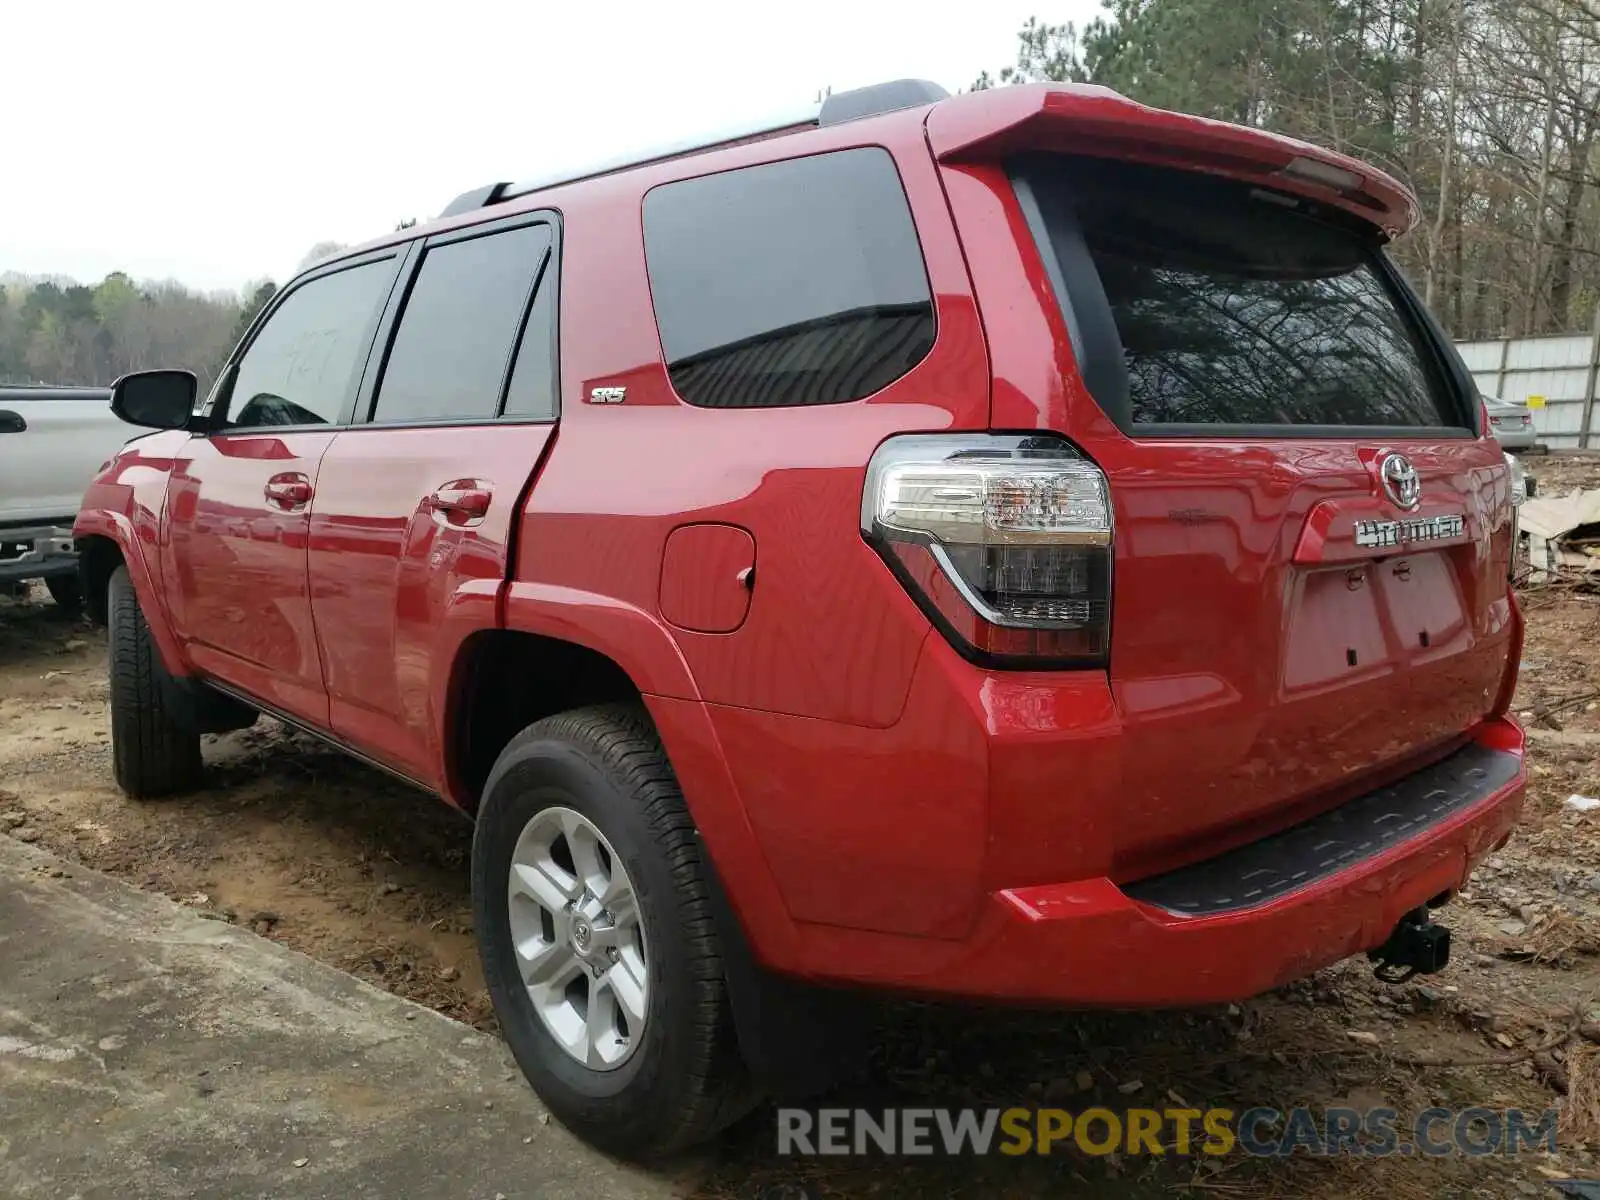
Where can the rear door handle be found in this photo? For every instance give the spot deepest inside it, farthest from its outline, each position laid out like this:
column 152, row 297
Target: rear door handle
column 11, row 422
column 289, row 491
column 461, row 501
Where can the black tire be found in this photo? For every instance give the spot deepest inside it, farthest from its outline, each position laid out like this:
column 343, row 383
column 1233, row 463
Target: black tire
column 153, row 754
column 685, row 1080
column 67, row 592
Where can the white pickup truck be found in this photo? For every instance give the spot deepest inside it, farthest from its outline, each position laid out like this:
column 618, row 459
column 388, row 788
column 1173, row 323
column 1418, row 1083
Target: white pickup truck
column 52, row 441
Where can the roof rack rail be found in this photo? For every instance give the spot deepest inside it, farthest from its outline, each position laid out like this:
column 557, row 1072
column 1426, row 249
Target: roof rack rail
column 835, row 109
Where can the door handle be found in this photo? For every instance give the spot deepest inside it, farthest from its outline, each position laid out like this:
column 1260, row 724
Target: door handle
column 289, row 491
column 463, row 500
column 12, row 422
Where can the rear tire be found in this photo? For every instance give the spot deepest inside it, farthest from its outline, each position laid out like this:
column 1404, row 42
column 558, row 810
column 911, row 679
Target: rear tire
column 677, row 1078
column 67, row 592
column 153, row 753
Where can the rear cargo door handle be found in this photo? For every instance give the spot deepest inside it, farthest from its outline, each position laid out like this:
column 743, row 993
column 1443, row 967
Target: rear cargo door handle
column 461, row 501
column 12, row 422
column 290, row 491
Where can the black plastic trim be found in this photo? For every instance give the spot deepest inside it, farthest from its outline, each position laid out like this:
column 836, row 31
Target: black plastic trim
column 481, row 197
column 1360, row 829
column 1080, row 298
column 1385, row 433
column 879, row 98
column 322, row 735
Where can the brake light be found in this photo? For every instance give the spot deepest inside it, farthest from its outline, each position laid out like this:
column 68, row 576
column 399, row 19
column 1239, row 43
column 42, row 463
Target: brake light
column 1004, row 541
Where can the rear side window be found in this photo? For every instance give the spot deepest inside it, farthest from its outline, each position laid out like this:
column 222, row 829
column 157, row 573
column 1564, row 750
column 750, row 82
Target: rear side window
column 797, row 282
column 1231, row 306
column 303, row 364
column 459, row 327
column 532, row 393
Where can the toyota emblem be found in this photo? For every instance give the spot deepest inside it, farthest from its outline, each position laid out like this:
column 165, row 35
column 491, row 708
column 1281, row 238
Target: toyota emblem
column 1400, row 481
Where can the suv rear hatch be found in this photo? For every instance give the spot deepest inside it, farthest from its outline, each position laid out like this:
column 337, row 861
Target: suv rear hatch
column 1309, row 587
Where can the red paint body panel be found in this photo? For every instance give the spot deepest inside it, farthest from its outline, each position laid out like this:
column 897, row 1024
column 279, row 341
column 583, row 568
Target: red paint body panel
column 235, row 566
column 386, row 568
column 1235, row 694
column 1088, row 944
column 1085, row 119
column 880, row 810
column 124, row 504
column 707, row 574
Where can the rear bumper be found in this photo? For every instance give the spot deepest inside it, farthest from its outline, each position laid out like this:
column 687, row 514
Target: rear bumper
column 1515, row 439
column 1331, row 888
column 36, row 552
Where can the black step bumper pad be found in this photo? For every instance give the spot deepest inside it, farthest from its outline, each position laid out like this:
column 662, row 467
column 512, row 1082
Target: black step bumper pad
column 1358, row 830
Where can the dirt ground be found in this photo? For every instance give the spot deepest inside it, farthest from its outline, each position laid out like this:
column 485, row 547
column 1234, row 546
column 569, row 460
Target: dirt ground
column 324, row 855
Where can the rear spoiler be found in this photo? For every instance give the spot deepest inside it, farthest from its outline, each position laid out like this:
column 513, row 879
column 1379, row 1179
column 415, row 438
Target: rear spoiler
column 1085, row 119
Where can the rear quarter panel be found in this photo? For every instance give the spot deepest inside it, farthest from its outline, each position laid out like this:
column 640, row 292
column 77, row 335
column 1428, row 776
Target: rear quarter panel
column 830, row 634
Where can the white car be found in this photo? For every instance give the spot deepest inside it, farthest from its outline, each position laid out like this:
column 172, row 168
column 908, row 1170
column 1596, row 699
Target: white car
column 1510, row 422
column 52, row 441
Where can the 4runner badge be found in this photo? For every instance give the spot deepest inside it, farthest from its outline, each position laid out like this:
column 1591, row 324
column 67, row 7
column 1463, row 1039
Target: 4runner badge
column 1404, row 533
column 607, row 395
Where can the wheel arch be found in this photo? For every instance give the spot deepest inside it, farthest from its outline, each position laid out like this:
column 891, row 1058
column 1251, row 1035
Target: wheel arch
column 98, row 559
column 503, row 680
column 634, row 657
column 106, row 541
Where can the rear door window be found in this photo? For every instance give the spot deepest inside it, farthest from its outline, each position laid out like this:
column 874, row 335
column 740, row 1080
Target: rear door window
column 1233, row 306
column 791, row 283
column 453, row 347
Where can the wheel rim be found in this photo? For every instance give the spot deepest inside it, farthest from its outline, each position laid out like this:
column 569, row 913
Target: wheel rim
column 579, row 938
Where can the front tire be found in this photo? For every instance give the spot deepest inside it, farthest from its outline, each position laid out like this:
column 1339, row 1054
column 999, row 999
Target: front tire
column 152, row 752
column 597, row 938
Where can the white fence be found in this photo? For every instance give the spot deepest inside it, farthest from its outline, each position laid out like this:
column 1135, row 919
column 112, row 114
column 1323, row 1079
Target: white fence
column 1561, row 369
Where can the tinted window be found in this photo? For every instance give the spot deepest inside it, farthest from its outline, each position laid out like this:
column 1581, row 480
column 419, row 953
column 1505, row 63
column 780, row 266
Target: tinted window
column 307, row 359
column 798, row 282
column 533, row 380
column 1235, row 307
column 453, row 346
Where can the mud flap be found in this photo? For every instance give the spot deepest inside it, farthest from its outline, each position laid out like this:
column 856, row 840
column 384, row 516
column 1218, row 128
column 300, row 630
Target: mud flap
column 796, row 1038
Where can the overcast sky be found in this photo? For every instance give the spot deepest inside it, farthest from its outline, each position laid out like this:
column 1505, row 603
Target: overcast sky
column 217, row 142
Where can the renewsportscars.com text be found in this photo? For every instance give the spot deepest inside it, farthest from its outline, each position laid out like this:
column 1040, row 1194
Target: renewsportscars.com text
column 1258, row 1132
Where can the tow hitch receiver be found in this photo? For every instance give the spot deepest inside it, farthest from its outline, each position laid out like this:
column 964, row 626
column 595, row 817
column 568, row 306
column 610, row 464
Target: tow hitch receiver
column 1416, row 947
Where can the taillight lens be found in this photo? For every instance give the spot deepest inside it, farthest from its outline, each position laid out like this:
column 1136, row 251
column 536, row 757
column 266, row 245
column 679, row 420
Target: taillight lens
column 1005, row 542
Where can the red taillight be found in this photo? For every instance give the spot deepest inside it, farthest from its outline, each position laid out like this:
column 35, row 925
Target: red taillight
column 1005, row 542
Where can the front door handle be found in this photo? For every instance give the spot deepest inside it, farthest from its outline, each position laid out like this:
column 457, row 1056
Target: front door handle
column 12, row 422
column 460, row 501
column 290, row 491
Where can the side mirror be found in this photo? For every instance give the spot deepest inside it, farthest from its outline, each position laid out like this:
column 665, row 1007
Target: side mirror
column 155, row 399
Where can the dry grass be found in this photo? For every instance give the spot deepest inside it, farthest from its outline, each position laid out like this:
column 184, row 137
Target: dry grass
column 1580, row 1119
column 1558, row 937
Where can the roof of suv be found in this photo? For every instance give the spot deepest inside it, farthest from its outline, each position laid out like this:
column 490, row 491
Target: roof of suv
column 994, row 123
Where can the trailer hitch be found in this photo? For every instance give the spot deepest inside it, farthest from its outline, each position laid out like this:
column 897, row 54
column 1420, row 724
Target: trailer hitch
column 1416, row 947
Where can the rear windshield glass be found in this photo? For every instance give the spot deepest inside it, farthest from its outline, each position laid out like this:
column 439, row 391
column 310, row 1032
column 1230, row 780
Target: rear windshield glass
column 1232, row 306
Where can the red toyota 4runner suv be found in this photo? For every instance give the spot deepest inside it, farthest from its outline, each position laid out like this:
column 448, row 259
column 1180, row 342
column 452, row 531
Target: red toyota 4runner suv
column 1022, row 545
